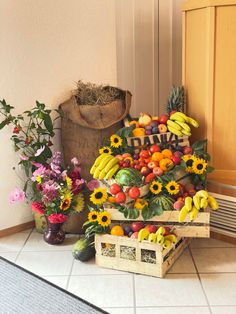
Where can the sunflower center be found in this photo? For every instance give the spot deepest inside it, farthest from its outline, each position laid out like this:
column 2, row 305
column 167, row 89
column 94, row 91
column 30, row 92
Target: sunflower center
column 199, row 166
column 94, row 217
column 155, row 187
column 104, row 219
column 172, row 187
column 116, row 140
column 189, row 163
column 106, row 150
column 98, row 195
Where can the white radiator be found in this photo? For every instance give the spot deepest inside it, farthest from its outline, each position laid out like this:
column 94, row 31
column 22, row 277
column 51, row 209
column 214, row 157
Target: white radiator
column 223, row 220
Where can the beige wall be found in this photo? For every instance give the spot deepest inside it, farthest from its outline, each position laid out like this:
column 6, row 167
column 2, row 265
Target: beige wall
column 46, row 46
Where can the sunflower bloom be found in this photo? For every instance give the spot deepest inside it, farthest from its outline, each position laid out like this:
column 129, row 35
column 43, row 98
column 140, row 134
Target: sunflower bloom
column 116, row 141
column 79, row 203
column 105, row 150
column 199, row 166
column 93, row 216
column 104, row 219
column 155, row 187
column 173, row 187
column 66, row 201
column 140, row 203
column 99, row 196
column 189, row 159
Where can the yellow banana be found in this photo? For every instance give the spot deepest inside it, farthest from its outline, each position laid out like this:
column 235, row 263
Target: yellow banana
column 179, row 116
column 152, row 238
column 105, row 161
column 183, row 125
column 192, row 122
column 203, row 203
column 96, row 173
column 196, row 201
column 112, row 171
column 143, row 234
column 188, row 203
column 183, row 213
column 213, row 202
column 97, row 161
column 172, row 238
column 193, row 214
column 174, row 125
column 202, row 193
column 167, row 244
column 112, row 162
column 174, row 131
column 186, row 132
column 160, row 239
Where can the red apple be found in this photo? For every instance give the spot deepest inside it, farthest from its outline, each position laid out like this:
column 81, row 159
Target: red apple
column 157, row 171
column 151, row 228
column 176, row 160
column 187, row 150
column 150, row 177
column 138, row 167
column 134, row 192
column 167, row 231
column 134, row 235
column 178, row 205
column 137, row 225
column 115, row 188
column 145, row 171
column 162, row 128
column 163, row 119
column 120, row 197
column 154, row 149
column 144, row 154
column 152, row 164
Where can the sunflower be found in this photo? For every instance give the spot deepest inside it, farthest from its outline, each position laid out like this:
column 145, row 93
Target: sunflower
column 105, row 150
column 66, row 201
column 68, row 182
column 140, row 203
column 99, row 196
column 172, row 187
column 79, row 203
column 155, row 187
column 104, row 219
column 189, row 159
column 199, row 166
column 93, row 216
column 116, row 141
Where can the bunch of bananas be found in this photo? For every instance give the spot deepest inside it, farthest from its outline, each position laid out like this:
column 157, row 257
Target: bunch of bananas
column 178, row 124
column 104, row 167
column 192, row 205
column 165, row 240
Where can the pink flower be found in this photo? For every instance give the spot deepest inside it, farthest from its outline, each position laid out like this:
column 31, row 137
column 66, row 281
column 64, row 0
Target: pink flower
column 23, row 157
column 38, row 172
column 57, row 218
column 17, row 195
column 75, row 161
column 39, row 151
column 93, row 184
column 50, row 191
column 37, row 207
column 36, row 164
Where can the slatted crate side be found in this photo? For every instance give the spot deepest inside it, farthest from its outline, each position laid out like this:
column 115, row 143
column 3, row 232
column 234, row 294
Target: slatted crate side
column 199, row 228
column 164, row 257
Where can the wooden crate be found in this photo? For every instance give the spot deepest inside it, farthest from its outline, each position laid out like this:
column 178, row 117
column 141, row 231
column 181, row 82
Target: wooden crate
column 162, row 259
column 199, row 228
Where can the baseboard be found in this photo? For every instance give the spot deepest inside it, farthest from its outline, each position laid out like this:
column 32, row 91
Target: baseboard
column 223, row 237
column 18, row 228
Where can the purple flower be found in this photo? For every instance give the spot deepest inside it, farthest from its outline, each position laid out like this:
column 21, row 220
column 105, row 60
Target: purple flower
column 39, row 151
column 93, row 184
column 17, row 195
column 38, row 172
column 50, row 191
column 56, row 163
column 75, row 161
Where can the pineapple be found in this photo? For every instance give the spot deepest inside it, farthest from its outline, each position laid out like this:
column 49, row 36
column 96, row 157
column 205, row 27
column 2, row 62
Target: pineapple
column 176, row 99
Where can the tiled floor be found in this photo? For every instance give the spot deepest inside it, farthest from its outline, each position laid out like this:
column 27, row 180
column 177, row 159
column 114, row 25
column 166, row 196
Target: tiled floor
column 203, row 280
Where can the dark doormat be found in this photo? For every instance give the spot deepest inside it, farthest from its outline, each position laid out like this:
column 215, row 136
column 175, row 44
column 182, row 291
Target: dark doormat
column 23, row 292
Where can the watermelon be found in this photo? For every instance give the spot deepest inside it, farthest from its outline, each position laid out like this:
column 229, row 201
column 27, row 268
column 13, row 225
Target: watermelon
column 129, row 177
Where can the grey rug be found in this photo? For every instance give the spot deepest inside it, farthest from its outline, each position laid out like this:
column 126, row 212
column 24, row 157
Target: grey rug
column 22, row 292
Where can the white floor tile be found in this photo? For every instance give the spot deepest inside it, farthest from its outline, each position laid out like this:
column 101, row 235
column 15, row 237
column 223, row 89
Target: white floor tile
column 223, row 309
column 184, row 264
column 14, row 242
column 11, row 256
column 173, row 290
column 220, row 288
column 37, row 243
column 209, row 243
column 173, row 310
column 215, row 260
column 90, row 268
column 59, row 281
column 120, row 310
column 46, row 263
column 104, row 290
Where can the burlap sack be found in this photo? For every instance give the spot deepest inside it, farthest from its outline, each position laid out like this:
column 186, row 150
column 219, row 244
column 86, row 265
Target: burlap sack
column 83, row 130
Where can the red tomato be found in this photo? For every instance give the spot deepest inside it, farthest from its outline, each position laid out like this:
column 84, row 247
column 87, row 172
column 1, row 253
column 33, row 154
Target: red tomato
column 115, row 188
column 134, row 192
column 154, row 149
column 144, row 154
column 120, row 197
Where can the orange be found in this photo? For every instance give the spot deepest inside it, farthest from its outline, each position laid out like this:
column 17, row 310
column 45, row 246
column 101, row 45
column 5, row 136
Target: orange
column 117, row 231
column 111, row 199
column 167, row 153
column 157, row 156
column 166, row 164
column 134, row 122
column 138, row 132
